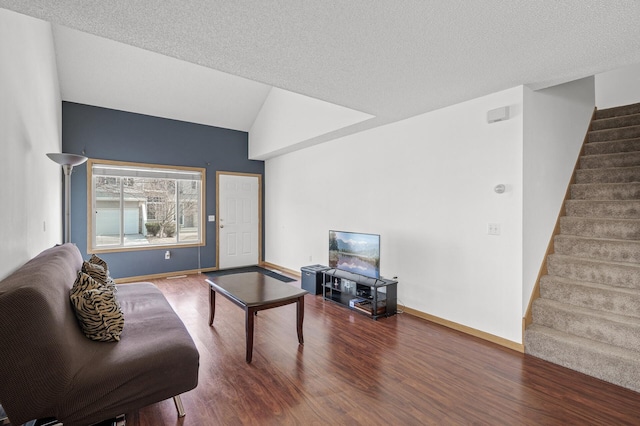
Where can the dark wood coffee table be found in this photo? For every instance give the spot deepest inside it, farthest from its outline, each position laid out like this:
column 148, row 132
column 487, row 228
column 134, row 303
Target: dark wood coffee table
column 254, row 292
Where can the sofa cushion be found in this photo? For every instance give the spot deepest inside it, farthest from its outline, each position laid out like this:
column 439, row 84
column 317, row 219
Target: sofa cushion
column 97, row 309
column 154, row 360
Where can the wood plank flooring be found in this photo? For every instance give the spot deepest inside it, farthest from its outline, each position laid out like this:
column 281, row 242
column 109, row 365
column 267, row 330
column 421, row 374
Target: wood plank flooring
column 353, row 370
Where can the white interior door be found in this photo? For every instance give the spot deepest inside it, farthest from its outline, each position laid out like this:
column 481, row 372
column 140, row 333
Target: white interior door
column 238, row 220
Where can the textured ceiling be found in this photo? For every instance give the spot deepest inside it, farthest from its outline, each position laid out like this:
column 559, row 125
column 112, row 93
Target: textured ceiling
column 391, row 59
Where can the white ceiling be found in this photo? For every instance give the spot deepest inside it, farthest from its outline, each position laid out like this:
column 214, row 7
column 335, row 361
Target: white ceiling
column 97, row 71
column 391, row 59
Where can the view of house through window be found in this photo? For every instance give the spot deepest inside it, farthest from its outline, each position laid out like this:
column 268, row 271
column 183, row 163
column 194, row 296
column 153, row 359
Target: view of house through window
column 137, row 205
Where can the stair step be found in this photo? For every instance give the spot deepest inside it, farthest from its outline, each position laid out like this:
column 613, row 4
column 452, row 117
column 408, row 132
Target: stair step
column 610, row 250
column 605, row 191
column 618, row 229
column 606, row 362
column 616, row 274
column 614, row 134
column 618, row 209
column 609, row 175
column 617, row 121
column 623, row 145
column 618, row 159
column 616, row 300
column 618, row 111
column 613, row 329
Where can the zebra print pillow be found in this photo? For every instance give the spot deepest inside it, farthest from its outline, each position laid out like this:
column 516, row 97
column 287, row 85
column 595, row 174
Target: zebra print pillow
column 96, row 309
column 95, row 271
column 92, row 267
column 98, row 261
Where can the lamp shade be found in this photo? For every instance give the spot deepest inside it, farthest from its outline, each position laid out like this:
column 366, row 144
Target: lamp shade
column 67, row 159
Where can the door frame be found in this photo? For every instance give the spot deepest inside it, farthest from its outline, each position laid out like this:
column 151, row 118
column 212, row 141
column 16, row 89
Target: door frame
column 260, row 212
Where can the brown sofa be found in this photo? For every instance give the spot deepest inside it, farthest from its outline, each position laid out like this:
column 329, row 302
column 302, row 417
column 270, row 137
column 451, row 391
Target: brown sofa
column 48, row 368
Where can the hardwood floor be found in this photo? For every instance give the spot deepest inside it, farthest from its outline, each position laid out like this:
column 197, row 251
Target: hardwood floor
column 353, row 370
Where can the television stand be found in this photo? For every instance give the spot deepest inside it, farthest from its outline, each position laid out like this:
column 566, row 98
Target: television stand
column 375, row 297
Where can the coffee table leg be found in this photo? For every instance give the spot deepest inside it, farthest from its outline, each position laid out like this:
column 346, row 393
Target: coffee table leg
column 300, row 317
column 250, row 313
column 212, row 304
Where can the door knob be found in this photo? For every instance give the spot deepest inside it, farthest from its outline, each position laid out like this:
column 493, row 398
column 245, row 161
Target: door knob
column 221, row 226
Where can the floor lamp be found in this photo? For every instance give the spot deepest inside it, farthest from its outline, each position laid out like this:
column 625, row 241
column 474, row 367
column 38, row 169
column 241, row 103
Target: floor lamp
column 67, row 161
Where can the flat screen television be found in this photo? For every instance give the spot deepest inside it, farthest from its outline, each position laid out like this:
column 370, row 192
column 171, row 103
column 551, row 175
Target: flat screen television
column 355, row 252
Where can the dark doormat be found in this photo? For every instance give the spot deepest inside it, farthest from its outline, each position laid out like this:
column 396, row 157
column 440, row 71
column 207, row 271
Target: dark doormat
column 250, row 269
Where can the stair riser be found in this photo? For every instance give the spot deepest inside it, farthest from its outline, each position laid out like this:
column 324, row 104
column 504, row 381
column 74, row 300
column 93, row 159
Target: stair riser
column 622, row 229
column 604, row 250
column 604, row 209
column 614, row 134
column 610, row 300
column 627, row 145
column 596, row 191
column 613, row 122
column 626, row 159
column 590, row 327
column 613, row 369
column 616, row 275
column 619, row 175
column 618, row 111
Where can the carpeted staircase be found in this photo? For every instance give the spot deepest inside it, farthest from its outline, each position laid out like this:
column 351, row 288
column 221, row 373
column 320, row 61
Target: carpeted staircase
column 587, row 317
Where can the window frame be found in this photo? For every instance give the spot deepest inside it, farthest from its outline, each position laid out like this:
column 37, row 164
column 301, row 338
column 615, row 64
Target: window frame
column 91, row 206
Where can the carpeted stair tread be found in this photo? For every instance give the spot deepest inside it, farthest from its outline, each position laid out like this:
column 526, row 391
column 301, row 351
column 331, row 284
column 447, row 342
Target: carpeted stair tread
column 614, row 134
column 618, row 111
column 616, row 159
column 622, row 145
column 616, row 274
column 608, row 175
column 606, row 249
column 605, row 191
column 616, row 300
column 606, row 362
column 616, row 121
column 621, row 209
column 620, row 229
column 605, row 327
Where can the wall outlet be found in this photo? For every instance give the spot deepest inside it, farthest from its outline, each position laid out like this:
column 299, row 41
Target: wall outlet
column 493, row 228
column 167, row 255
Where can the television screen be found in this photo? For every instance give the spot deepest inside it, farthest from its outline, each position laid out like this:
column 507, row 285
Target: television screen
column 355, row 252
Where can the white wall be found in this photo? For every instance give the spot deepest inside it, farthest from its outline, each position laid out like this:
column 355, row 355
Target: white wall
column 30, row 127
column 618, row 87
column 555, row 124
column 426, row 185
column 287, row 119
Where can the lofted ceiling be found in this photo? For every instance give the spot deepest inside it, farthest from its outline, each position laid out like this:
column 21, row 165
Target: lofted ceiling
column 214, row 62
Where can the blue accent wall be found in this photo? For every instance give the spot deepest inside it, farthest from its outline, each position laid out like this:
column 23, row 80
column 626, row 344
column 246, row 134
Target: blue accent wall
column 107, row 134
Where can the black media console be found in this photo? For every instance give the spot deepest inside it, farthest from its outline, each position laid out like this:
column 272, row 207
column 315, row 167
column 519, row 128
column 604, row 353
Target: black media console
column 375, row 297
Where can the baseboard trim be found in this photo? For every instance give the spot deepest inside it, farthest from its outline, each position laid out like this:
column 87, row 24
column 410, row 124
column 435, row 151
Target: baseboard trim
column 277, row 268
column 127, row 280
column 519, row 347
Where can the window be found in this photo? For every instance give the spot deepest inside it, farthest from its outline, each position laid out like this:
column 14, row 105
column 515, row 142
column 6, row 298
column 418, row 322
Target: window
column 136, row 205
